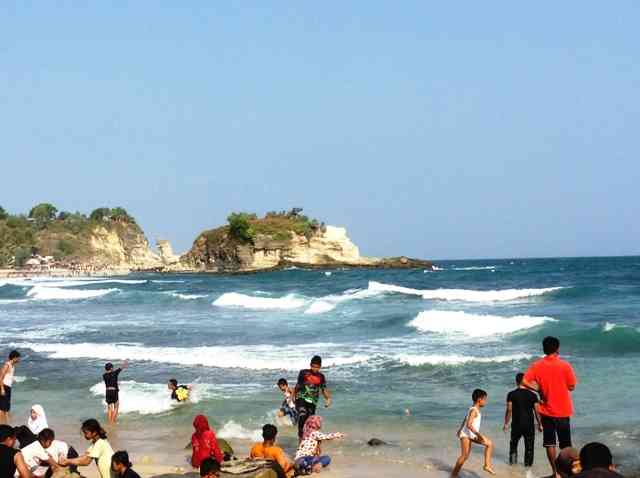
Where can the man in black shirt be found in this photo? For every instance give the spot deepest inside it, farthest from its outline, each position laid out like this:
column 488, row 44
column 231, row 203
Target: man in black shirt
column 112, row 390
column 522, row 408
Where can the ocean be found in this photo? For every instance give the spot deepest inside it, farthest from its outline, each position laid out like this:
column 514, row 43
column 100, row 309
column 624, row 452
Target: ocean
column 402, row 349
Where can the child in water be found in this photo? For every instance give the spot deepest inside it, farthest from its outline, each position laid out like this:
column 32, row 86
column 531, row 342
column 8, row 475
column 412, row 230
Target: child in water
column 469, row 433
column 179, row 393
column 288, row 407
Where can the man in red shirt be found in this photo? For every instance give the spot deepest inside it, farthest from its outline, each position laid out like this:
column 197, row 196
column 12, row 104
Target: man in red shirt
column 554, row 380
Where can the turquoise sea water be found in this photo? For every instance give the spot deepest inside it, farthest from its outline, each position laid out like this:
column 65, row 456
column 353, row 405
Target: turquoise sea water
column 392, row 340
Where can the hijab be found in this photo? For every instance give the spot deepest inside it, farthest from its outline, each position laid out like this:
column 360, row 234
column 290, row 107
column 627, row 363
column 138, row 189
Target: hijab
column 40, row 423
column 313, row 424
column 201, row 424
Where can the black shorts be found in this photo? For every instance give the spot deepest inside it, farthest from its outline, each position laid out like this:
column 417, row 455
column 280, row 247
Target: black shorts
column 111, row 397
column 556, row 431
column 5, row 400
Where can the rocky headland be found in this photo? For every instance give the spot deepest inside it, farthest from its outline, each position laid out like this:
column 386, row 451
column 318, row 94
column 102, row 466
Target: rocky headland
column 109, row 241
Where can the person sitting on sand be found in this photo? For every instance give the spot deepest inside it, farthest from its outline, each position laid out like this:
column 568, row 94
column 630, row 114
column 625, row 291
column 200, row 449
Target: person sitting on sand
column 112, row 390
column 568, row 463
column 121, row 465
column 37, row 421
column 209, row 468
column 288, row 407
column 469, row 433
column 179, row 393
column 597, row 462
column 11, row 460
column 100, row 449
column 37, row 456
column 57, row 449
column 204, row 442
column 309, row 458
column 269, row 451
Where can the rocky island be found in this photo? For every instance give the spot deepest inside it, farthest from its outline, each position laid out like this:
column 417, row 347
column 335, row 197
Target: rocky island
column 109, row 241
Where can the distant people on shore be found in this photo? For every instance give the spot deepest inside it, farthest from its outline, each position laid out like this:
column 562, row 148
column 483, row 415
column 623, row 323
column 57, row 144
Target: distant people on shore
column 121, row 465
column 7, row 377
column 100, row 449
column 288, row 407
column 179, row 393
column 204, row 442
column 309, row 458
column 11, row 460
column 268, row 450
column 112, row 389
column 554, row 379
column 469, row 433
column 522, row 409
column 311, row 382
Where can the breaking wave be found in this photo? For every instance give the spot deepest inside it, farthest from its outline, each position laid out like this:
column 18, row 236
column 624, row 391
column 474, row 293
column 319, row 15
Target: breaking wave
column 465, row 295
column 54, row 293
column 454, row 360
column 473, row 325
column 234, row 299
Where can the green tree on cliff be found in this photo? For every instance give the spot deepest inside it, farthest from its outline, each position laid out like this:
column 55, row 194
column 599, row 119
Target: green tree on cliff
column 240, row 226
column 43, row 213
column 3, row 214
column 100, row 214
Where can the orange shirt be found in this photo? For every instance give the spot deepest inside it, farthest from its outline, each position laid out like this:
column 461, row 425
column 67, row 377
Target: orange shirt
column 554, row 377
column 274, row 453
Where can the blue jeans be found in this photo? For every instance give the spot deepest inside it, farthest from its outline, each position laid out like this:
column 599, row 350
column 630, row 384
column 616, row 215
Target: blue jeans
column 305, row 463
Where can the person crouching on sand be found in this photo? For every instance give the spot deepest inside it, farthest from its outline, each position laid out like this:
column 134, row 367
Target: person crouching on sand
column 121, row 465
column 204, row 442
column 309, row 458
column 469, row 433
column 100, row 449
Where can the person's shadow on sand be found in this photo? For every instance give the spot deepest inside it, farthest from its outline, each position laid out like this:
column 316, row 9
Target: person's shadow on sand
column 446, row 467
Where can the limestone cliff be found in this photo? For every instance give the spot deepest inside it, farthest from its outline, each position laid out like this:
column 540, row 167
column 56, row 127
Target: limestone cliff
column 123, row 247
column 271, row 247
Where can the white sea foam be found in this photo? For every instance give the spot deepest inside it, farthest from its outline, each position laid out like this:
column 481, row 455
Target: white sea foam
column 234, row 299
column 232, row 429
column 320, row 307
column 609, row 326
column 54, row 293
column 163, row 281
column 257, row 357
column 142, row 398
column 473, row 325
column 465, row 295
column 179, row 295
column 475, row 268
column 453, row 360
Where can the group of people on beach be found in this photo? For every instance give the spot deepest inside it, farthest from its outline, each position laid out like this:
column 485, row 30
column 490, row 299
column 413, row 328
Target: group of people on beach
column 541, row 400
column 543, row 395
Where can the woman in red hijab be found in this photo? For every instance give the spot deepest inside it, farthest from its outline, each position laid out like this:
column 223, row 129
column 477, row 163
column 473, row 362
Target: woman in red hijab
column 204, row 442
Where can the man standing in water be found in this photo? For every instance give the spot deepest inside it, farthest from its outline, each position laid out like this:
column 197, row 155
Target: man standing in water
column 112, row 390
column 554, row 380
column 307, row 392
column 7, row 376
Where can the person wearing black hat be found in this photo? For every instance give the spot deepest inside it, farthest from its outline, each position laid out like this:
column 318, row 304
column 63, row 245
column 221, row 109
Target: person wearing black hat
column 122, row 466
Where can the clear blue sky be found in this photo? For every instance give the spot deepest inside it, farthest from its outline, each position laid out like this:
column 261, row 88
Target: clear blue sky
column 428, row 129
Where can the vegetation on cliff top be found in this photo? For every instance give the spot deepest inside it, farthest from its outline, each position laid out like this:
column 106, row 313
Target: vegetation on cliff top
column 279, row 226
column 46, row 232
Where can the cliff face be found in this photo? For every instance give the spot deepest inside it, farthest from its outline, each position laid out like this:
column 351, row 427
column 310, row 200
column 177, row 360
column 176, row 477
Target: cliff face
column 123, row 246
column 218, row 251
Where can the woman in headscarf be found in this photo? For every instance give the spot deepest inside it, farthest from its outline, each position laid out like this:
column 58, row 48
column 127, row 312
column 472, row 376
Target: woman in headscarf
column 308, row 458
column 37, row 420
column 204, row 442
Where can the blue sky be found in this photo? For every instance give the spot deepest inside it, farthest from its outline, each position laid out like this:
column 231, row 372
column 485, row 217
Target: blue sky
column 427, row 129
